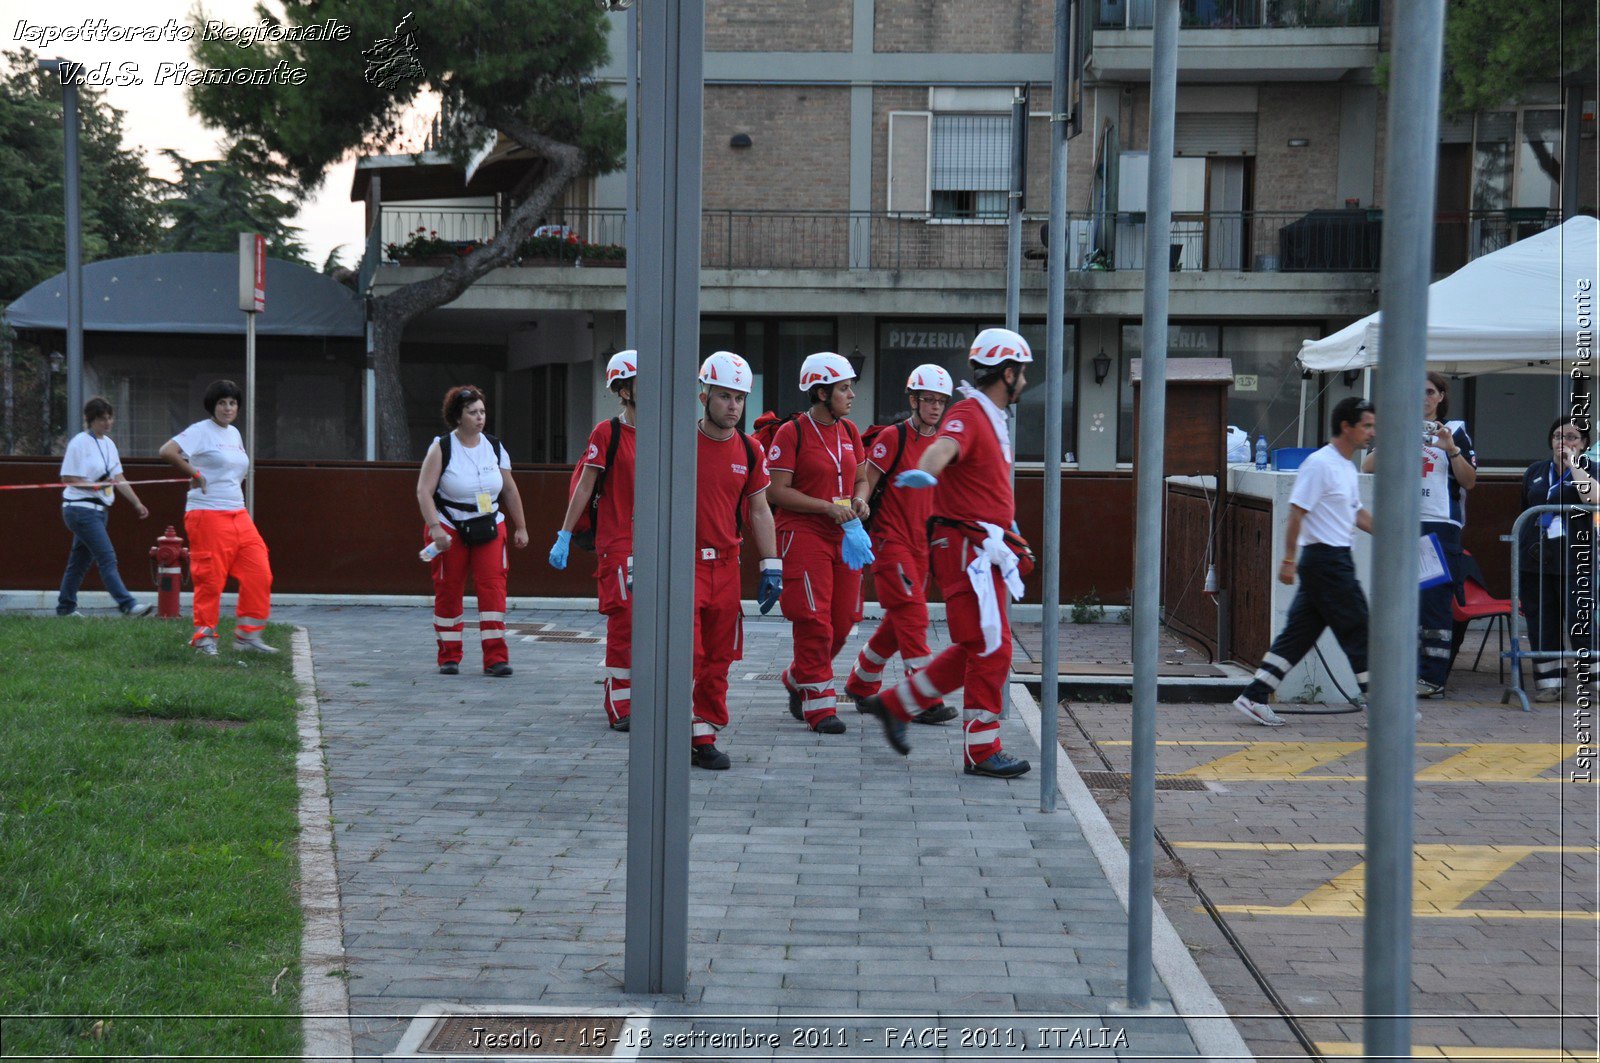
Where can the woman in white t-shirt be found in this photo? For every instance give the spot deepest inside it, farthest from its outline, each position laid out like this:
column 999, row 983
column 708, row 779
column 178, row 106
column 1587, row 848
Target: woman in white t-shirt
column 465, row 492
column 92, row 457
column 223, row 540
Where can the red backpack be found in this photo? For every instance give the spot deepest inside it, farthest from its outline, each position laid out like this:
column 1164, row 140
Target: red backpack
column 583, row 531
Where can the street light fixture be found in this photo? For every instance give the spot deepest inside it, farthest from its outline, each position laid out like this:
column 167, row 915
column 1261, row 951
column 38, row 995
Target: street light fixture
column 1102, row 366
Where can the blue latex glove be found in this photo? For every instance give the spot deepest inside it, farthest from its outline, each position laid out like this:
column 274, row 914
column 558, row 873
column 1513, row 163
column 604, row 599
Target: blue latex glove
column 915, row 478
column 856, row 549
column 558, row 552
column 771, row 584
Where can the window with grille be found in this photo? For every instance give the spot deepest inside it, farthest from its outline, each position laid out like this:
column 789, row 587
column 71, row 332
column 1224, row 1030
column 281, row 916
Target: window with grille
column 970, row 167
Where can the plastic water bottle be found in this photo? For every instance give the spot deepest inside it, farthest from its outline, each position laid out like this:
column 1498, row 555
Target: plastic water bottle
column 1261, row 452
column 429, row 552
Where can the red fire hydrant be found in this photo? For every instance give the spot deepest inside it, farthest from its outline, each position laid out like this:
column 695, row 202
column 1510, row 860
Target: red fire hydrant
column 167, row 558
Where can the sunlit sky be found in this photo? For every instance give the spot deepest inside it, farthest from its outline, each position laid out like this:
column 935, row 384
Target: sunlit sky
column 157, row 116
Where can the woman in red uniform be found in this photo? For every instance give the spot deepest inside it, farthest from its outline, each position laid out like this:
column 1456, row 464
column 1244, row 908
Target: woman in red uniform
column 900, row 542
column 465, row 492
column 969, row 468
column 819, row 489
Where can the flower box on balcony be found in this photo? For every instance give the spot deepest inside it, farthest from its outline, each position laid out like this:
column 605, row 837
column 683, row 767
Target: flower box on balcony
column 602, row 263
column 436, row 261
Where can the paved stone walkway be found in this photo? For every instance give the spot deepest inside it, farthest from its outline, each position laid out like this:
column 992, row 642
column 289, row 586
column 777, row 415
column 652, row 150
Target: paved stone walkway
column 481, row 838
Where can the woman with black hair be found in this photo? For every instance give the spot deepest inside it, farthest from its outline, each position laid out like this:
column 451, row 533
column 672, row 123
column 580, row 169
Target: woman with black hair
column 1554, row 551
column 223, row 540
column 92, row 458
column 465, row 492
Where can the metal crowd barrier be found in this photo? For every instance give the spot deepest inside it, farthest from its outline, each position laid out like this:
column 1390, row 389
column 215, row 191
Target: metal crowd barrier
column 1516, row 655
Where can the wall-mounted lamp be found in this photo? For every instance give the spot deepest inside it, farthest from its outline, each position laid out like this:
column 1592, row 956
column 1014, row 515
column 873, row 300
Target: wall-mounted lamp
column 1299, row 142
column 1102, row 366
column 739, row 140
column 1351, row 376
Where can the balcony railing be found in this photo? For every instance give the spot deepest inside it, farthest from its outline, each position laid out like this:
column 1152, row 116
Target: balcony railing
column 1240, row 14
column 1325, row 241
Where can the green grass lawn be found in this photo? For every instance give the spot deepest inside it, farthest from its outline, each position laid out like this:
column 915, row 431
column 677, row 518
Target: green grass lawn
column 147, row 841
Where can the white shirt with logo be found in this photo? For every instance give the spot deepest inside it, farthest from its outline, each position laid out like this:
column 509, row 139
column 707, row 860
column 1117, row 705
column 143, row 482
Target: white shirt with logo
column 217, row 453
column 472, row 470
column 1329, row 490
column 93, row 458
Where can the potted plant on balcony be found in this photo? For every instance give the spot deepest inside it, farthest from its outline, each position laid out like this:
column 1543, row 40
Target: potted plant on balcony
column 603, row 255
column 422, row 248
column 540, row 251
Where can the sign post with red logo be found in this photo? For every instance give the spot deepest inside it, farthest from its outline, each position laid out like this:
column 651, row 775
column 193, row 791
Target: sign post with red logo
column 253, row 301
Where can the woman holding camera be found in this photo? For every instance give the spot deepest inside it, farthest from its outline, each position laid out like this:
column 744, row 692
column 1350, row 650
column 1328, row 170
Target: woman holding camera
column 465, row 493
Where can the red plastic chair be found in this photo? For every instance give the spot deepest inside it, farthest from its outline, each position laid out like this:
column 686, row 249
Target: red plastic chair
column 1480, row 603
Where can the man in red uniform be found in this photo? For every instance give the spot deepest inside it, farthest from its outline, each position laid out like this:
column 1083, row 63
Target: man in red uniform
column 613, row 532
column 900, row 542
column 819, row 488
column 969, row 467
column 732, row 475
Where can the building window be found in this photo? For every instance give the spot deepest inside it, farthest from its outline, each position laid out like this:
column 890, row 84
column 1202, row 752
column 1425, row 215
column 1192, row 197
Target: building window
column 905, row 344
column 774, row 347
column 1265, row 398
column 970, row 173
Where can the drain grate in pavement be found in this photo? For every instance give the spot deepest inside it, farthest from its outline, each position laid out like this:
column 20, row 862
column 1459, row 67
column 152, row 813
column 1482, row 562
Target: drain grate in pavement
column 1119, row 780
column 562, row 638
column 593, row 1036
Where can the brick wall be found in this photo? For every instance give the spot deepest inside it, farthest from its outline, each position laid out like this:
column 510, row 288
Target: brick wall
column 969, row 26
column 1298, row 179
column 799, row 158
column 778, row 25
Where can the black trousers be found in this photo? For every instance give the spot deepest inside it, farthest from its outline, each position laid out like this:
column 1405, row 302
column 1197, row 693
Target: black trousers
column 1435, row 651
column 1329, row 597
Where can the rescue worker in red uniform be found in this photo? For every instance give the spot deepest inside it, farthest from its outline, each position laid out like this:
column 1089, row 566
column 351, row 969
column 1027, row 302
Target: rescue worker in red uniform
column 732, row 476
column 900, row 542
column 819, row 489
column 969, row 468
column 613, row 532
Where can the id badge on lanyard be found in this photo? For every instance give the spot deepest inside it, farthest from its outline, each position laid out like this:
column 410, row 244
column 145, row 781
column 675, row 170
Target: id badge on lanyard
column 485, row 502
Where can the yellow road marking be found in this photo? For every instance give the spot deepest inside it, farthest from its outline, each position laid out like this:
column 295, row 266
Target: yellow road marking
column 1497, row 762
column 1485, row 762
column 1444, row 878
column 1274, row 760
column 1506, row 1055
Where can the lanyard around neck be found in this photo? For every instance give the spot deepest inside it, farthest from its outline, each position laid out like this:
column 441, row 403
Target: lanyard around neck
column 837, row 455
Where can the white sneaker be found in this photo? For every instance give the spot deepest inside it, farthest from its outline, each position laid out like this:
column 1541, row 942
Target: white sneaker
column 252, row 645
column 140, row 610
column 205, row 647
column 1257, row 712
column 1547, row 694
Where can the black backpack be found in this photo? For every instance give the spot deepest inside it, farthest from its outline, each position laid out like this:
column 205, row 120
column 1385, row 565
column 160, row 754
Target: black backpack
column 871, row 435
column 444, row 463
column 583, row 531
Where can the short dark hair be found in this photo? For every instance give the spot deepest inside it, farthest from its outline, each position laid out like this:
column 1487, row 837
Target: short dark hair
column 1582, row 425
column 1348, row 411
column 96, row 408
column 984, row 375
column 219, row 390
column 826, row 393
column 459, row 398
column 1443, row 387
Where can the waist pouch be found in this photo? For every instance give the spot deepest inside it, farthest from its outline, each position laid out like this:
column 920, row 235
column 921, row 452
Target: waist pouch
column 479, row 530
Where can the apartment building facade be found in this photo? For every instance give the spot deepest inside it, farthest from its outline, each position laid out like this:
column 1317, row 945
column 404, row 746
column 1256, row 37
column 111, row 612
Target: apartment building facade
column 856, row 167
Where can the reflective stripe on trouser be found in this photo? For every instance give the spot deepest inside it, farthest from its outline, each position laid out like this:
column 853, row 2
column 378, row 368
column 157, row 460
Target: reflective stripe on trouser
column 718, row 642
column 225, row 543
column 1329, row 596
column 822, row 599
column 899, row 579
column 963, row 664
column 202, row 633
column 616, row 605
column 487, row 563
column 249, row 627
column 1559, row 614
column 1433, row 608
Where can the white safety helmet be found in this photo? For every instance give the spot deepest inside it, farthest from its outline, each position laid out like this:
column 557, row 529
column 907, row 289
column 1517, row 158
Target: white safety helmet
column 996, row 346
column 624, row 365
column 930, row 377
column 824, row 367
column 724, row 369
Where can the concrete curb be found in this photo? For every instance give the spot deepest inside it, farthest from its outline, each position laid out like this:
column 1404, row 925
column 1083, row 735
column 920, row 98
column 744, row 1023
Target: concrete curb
column 324, row 984
column 1193, row 999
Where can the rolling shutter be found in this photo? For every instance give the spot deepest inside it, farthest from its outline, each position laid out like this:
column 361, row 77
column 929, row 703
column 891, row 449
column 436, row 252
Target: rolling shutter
column 1202, row 133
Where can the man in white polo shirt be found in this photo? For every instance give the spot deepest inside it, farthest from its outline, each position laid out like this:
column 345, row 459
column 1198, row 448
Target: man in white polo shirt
column 1323, row 508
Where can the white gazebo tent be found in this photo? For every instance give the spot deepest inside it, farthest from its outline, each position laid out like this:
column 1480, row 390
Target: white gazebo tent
column 1515, row 310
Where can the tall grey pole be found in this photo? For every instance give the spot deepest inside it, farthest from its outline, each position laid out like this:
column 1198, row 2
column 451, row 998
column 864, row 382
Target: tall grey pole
column 250, row 411
column 67, row 72
column 1055, row 342
column 1151, row 461
column 1392, row 733
column 1019, row 179
column 630, row 219
column 655, row 950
